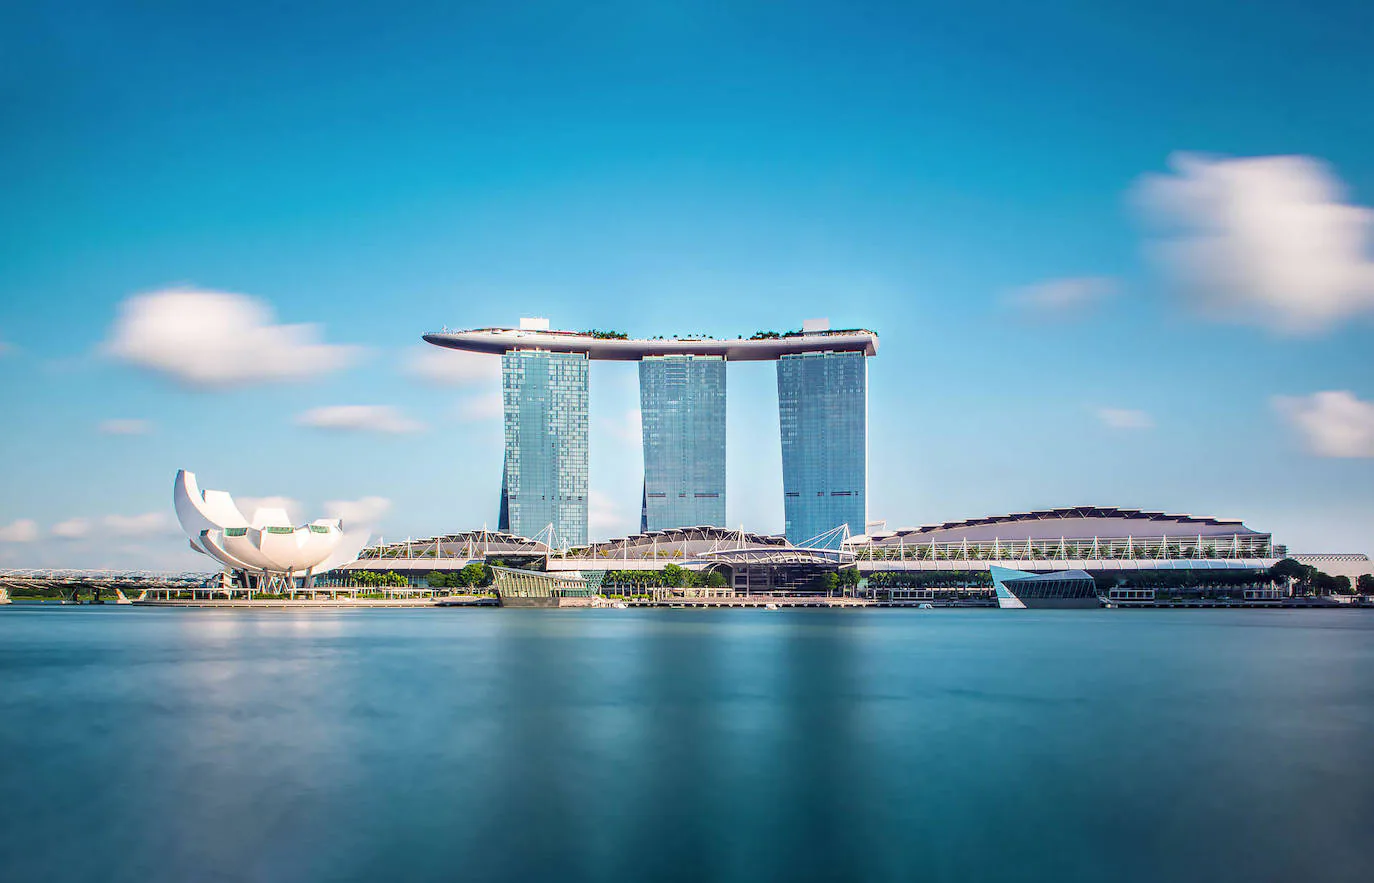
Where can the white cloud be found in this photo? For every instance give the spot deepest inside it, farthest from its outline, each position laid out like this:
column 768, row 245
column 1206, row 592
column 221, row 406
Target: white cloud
column 24, row 530
column 1060, row 296
column 1263, row 240
column 366, row 512
column 1332, row 424
column 143, row 525
column 1124, row 418
column 124, row 427
column 72, row 528
column 216, row 339
column 359, row 418
column 629, row 428
column 488, row 406
column 447, row 367
column 607, row 518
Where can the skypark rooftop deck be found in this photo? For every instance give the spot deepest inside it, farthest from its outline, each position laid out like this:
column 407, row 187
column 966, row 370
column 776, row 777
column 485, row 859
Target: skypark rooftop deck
column 757, row 349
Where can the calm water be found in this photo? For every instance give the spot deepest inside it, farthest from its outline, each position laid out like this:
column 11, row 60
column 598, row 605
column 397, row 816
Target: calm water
column 734, row 745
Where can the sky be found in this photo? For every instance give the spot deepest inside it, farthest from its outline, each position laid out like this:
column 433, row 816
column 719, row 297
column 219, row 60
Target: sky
column 1117, row 254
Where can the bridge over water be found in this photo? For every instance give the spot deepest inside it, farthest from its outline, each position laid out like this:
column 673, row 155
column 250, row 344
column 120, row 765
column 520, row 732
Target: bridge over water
column 68, row 582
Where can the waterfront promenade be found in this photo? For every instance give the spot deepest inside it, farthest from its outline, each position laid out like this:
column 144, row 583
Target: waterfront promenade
column 142, row 589
column 740, row 602
column 342, row 603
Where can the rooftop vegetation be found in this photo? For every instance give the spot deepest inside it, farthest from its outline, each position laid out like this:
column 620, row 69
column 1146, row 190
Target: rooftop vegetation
column 828, row 331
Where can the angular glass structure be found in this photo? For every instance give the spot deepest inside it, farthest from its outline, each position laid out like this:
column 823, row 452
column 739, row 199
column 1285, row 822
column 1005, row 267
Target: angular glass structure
column 544, row 482
column 823, row 417
column 1019, row 589
column 682, row 403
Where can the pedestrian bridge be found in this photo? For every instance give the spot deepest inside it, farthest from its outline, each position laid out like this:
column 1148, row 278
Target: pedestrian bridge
column 67, row 581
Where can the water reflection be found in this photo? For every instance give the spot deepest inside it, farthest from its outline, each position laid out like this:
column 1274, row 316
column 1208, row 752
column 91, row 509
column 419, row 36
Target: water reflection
column 731, row 745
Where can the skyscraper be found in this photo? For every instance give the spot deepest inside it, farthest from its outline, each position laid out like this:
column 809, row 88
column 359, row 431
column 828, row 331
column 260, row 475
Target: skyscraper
column 682, row 405
column 544, row 395
column 822, row 398
column 823, row 416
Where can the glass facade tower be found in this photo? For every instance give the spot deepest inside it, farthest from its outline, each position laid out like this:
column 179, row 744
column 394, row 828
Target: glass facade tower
column 544, row 482
column 823, row 416
column 682, row 405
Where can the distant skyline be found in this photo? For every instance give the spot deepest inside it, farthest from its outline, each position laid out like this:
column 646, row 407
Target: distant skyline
column 1118, row 257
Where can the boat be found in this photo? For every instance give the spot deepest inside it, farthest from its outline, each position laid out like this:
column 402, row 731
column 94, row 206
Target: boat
column 770, row 606
column 925, row 606
column 621, row 605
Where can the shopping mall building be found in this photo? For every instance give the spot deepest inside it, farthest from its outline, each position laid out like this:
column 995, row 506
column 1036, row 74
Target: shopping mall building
column 1101, row 553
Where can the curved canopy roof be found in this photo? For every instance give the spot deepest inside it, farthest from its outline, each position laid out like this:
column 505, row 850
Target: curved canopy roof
column 462, row 545
column 780, row 556
column 499, row 340
column 688, row 541
column 1072, row 522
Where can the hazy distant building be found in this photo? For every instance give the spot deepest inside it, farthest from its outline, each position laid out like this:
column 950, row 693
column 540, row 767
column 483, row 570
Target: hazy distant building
column 544, row 481
column 682, row 407
column 823, row 415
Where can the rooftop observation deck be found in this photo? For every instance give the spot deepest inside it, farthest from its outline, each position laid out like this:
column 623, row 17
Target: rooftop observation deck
column 755, row 349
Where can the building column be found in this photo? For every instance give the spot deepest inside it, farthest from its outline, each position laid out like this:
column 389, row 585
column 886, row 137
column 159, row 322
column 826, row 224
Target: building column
column 682, row 406
column 823, row 423
column 545, row 476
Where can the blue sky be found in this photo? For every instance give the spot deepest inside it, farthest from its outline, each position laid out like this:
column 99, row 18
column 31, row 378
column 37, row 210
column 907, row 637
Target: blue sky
column 1116, row 255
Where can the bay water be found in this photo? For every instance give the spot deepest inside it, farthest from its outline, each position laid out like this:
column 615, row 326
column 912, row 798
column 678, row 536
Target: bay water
column 487, row 744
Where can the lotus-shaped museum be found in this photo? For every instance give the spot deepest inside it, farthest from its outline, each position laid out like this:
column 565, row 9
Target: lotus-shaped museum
column 265, row 548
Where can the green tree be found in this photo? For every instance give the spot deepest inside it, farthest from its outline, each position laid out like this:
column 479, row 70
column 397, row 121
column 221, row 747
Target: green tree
column 474, row 575
column 674, row 576
column 1288, row 569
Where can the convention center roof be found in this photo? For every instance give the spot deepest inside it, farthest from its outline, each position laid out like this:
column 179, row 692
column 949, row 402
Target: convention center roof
column 1072, row 522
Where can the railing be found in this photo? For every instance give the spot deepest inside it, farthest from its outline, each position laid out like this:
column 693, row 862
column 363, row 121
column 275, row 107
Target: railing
column 73, row 575
column 1143, row 548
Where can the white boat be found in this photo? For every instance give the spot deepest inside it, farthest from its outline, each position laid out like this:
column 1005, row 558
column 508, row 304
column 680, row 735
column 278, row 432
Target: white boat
column 621, row 605
column 770, row 606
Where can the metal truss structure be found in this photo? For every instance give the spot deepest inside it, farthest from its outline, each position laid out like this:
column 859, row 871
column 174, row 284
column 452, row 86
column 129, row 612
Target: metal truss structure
column 461, row 547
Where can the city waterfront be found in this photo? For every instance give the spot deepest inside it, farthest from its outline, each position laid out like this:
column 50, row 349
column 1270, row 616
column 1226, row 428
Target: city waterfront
column 153, row 744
